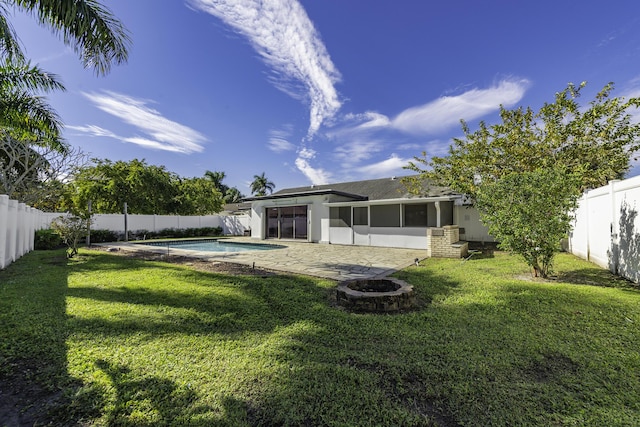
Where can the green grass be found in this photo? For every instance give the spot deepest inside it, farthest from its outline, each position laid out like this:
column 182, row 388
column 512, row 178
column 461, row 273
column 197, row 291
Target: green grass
column 106, row 340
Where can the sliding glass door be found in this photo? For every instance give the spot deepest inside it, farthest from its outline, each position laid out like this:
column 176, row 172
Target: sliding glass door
column 288, row 222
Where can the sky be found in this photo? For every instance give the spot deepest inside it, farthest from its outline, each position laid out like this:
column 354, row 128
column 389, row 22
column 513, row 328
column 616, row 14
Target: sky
column 323, row 91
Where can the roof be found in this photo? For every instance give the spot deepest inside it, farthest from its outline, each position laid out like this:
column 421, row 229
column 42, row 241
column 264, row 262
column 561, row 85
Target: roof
column 373, row 189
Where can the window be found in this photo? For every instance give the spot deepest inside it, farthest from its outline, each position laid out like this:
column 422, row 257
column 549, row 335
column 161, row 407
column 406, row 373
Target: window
column 385, row 216
column 361, row 216
column 340, row 216
column 415, row 215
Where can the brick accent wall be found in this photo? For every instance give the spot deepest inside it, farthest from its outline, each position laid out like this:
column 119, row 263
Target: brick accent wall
column 444, row 242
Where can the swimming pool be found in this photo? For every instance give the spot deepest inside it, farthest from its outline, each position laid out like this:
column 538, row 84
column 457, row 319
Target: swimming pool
column 212, row 245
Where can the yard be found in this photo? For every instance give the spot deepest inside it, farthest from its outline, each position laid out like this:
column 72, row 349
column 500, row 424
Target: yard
column 107, row 340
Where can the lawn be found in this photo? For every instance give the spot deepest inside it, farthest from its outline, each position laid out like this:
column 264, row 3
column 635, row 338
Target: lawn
column 106, row 340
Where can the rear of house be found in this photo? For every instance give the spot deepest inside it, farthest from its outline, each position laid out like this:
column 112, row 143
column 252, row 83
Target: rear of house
column 377, row 212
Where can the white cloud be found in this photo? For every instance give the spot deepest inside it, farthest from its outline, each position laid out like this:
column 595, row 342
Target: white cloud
column 388, row 167
column 164, row 134
column 447, row 111
column 315, row 175
column 281, row 32
column 306, row 153
column 356, row 151
column 93, row 130
column 279, row 139
column 279, row 145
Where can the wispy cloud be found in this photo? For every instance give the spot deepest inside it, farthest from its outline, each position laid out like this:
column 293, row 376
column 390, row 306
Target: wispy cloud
column 356, row 151
column 447, row 111
column 279, row 140
column 438, row 115
column 284, row 36
column 162, row 133
column 317, row 176
column 392, row 165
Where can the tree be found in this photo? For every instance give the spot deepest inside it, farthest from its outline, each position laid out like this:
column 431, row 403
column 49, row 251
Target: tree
column 198, row 196
column 261, row 184
column 24, row 116
column 86, row 26
column 70, row 229
column 590, row 145
column 32, row 173
column 233, row 195
column 530, row 212
column 147, row 189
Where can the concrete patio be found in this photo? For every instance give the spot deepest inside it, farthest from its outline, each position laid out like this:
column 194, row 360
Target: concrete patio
column 335, row 262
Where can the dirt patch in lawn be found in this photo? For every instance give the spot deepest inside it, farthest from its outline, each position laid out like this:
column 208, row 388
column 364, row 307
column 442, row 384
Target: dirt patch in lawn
column 194, row 262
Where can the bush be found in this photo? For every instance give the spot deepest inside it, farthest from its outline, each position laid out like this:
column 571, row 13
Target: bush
column 177, row 233
column 47, row 239
column 102, row 236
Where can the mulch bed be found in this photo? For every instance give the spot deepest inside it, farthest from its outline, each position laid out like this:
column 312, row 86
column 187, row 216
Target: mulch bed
column 194, row 262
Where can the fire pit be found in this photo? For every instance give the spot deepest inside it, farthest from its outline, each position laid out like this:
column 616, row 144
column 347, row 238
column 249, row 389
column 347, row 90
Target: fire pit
column 376, row 295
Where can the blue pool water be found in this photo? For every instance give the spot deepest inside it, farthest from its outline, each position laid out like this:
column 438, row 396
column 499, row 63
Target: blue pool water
column 212, row 245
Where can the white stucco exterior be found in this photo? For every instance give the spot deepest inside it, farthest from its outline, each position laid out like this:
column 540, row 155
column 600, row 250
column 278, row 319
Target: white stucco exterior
column 319, row 229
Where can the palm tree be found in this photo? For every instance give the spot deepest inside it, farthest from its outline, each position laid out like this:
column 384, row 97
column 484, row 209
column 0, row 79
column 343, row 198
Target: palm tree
column 261, row 184
column 24, row 116
column 216, row 178
column 86, row 26
column 233, row 195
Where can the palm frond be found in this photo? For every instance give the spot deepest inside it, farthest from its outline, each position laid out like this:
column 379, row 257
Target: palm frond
column 88, row 27
column 9, row 43
column 22, row 75
column 28, row 117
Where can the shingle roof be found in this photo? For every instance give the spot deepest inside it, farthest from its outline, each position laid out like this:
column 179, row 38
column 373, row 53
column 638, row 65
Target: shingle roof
column 373, row 189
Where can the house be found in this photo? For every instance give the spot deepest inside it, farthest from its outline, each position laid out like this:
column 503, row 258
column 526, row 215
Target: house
column 378, row 212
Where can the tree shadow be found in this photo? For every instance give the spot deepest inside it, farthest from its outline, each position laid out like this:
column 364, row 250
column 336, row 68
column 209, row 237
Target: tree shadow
column 170, row 403
column 624, row 255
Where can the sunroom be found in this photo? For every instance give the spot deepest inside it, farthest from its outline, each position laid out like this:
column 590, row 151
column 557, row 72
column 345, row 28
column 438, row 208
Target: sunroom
column 390, row 223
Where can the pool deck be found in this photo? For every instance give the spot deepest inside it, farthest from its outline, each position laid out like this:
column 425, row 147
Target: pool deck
column 337, row 262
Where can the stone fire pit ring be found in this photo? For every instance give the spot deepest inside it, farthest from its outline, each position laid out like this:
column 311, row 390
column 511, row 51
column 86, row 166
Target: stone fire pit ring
column 384, row 295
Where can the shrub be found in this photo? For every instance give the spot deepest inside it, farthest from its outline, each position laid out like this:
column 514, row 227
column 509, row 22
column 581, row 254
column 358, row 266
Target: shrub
column 47, row 239
column 101, row 236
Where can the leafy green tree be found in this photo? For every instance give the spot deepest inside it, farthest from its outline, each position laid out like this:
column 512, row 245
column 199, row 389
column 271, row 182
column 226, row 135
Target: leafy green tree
column 596, row 143
column 590, row 145
column 147, row 189
column 198, row 196
column 530, row 212
column 261, row 185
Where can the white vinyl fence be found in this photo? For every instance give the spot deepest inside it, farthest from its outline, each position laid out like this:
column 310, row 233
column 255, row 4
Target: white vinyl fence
column 607, row 228
column 232, row 225
column 18, row 223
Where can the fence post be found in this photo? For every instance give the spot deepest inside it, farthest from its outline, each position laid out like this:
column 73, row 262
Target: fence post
column 21, row 230
column 4, row 226
column 126, row 226
column 12, row 230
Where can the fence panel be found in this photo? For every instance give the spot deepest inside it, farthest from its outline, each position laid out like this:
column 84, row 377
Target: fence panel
column 18, row 223
column 607, row 228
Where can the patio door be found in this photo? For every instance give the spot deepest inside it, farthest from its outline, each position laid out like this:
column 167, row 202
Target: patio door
column 288, row 222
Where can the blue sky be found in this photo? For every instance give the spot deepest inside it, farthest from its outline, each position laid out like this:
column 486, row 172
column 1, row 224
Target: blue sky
column 321, row 91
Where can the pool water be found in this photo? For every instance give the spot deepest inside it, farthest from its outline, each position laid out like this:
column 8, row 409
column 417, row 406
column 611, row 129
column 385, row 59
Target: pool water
column 212, row 245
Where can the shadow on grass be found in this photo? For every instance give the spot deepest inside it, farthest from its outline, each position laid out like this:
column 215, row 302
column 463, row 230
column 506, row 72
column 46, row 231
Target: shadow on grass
column 595, row 276
column 33, row 354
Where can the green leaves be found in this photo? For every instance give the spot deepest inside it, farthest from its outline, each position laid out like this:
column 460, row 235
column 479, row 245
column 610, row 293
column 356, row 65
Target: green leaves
column 85, row 25
column 527, row 171
column 147, row 189
column 261, row 185
column 529, row 212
